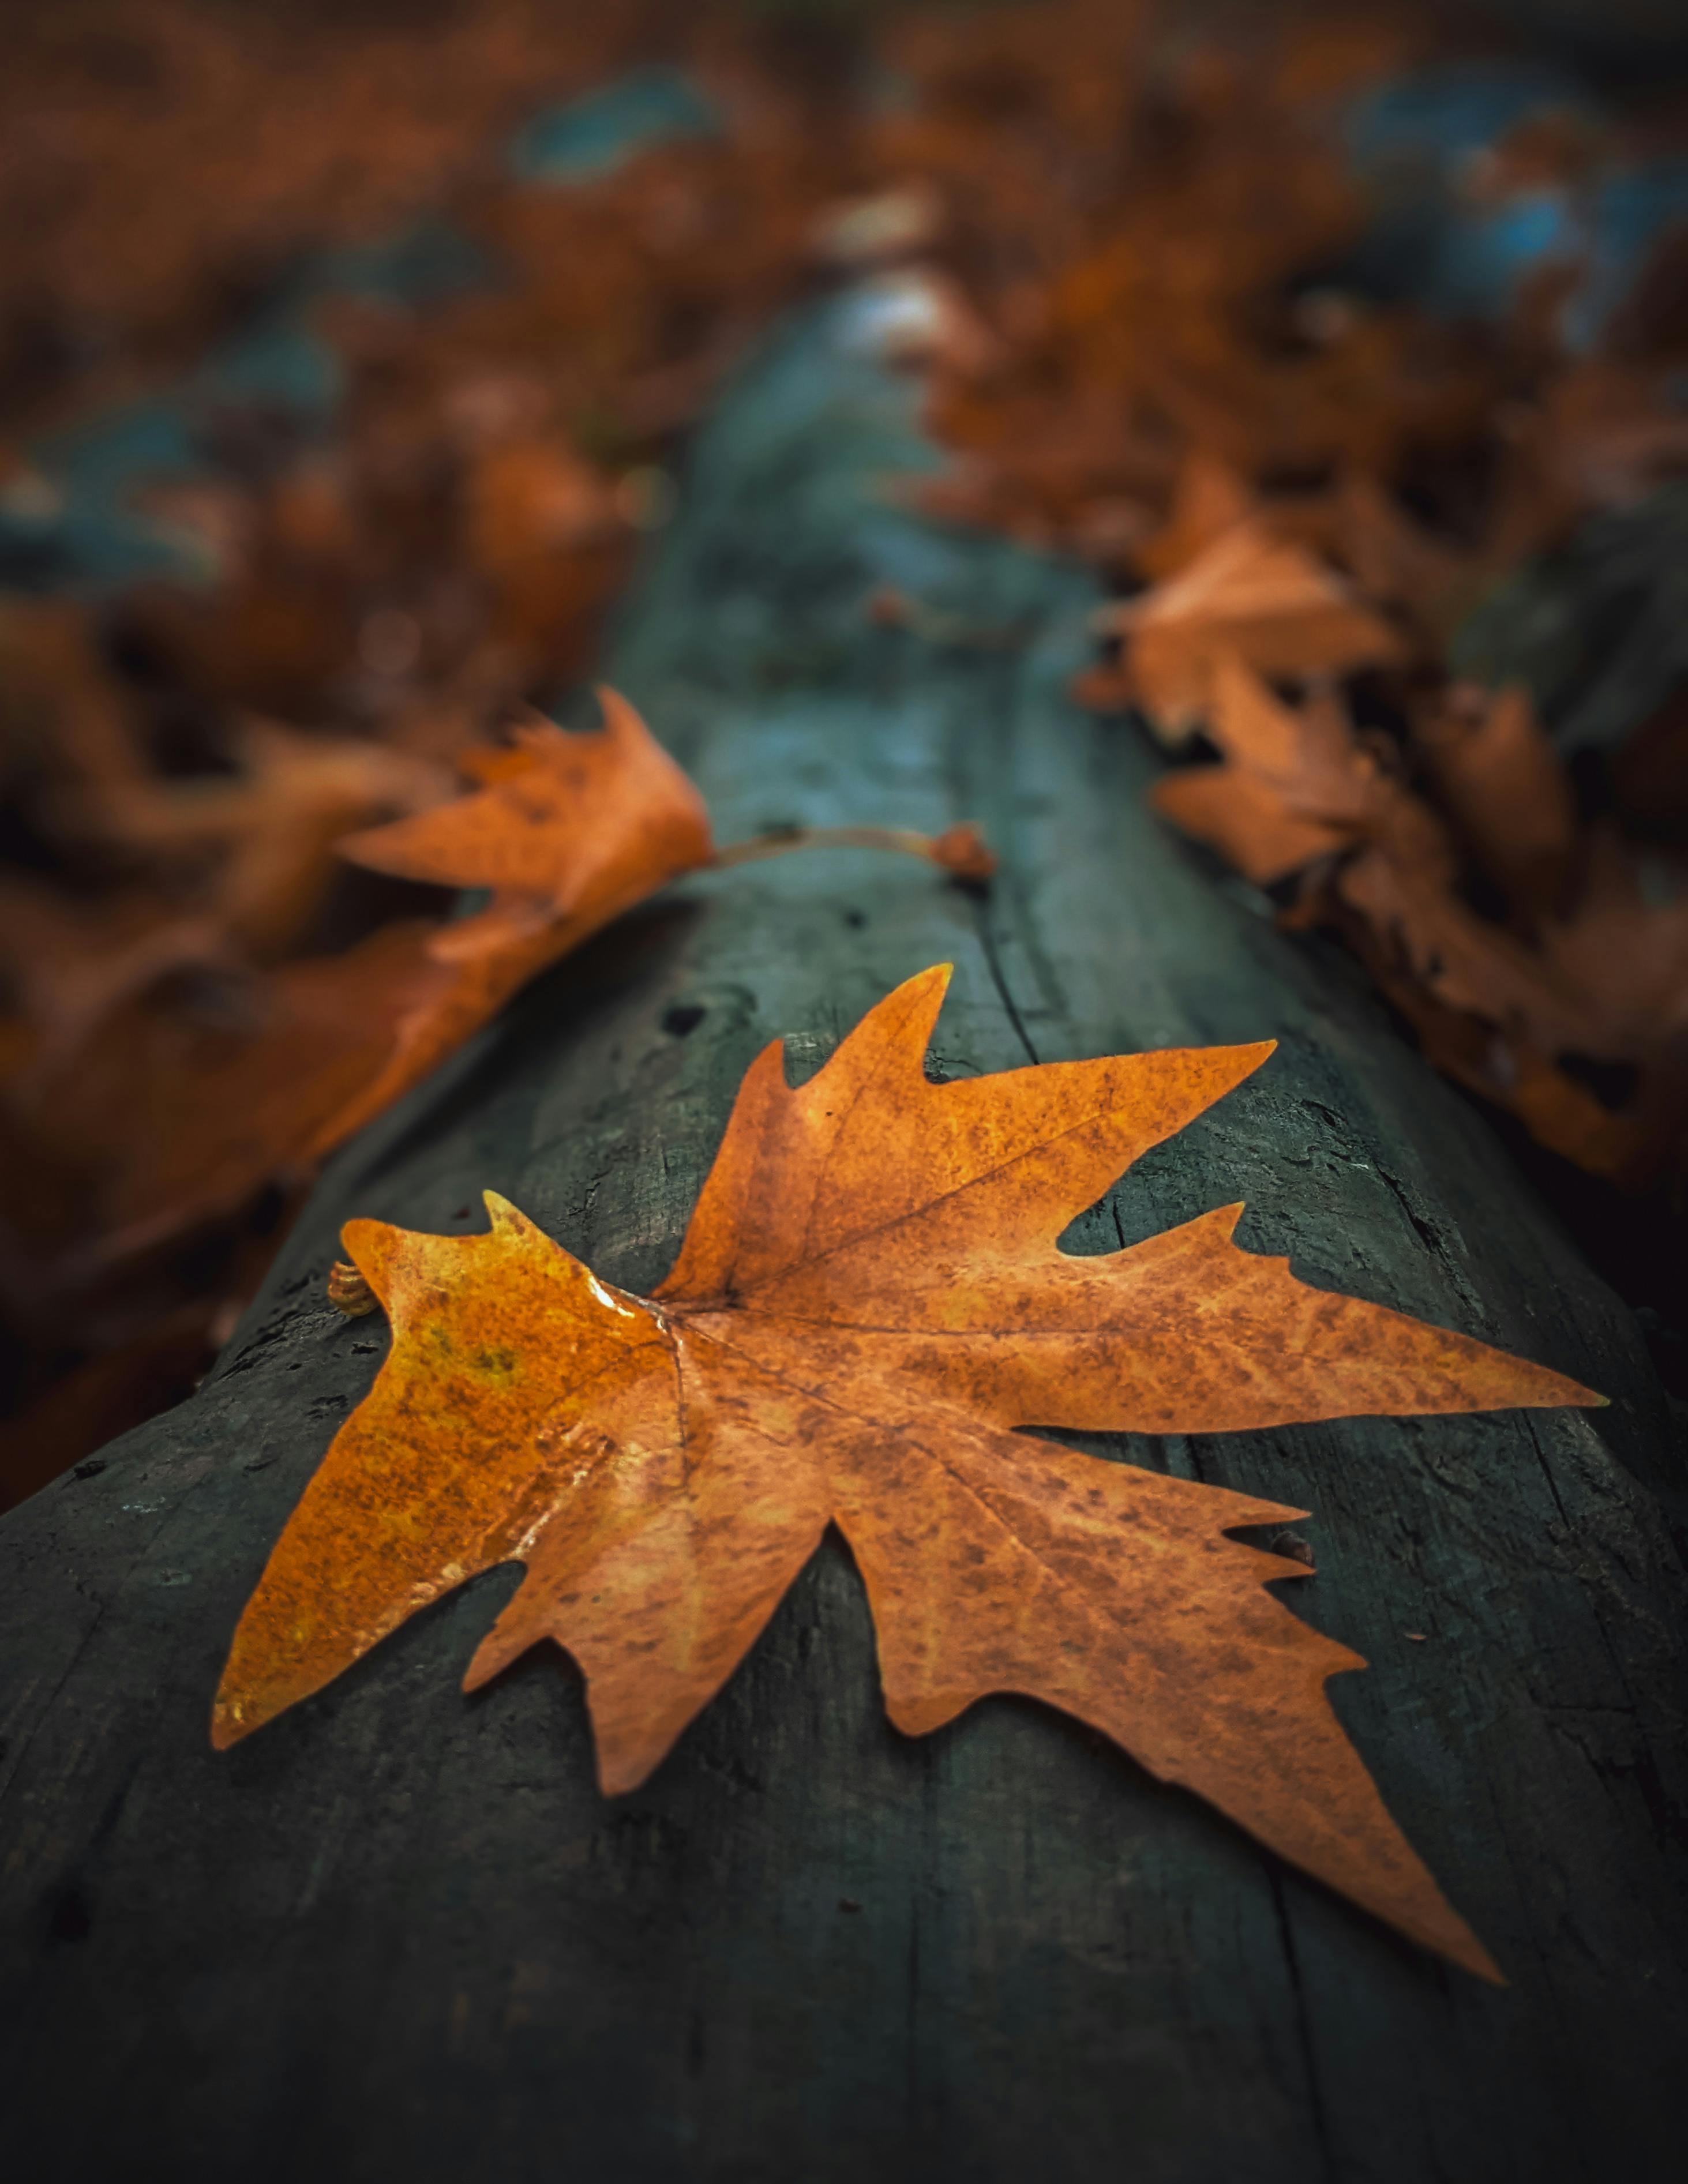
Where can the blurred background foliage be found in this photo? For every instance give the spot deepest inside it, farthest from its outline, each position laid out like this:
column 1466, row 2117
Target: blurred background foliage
column 348, row 349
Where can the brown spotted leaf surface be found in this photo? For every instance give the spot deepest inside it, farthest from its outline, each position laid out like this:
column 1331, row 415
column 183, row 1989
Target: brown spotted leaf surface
column 869, row 1302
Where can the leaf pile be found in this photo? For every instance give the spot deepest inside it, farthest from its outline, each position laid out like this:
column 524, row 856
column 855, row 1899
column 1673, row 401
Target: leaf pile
column 868, row 1300
column 199, row 1077
column 1301, row 490
column 391, row 507
column 198, row 995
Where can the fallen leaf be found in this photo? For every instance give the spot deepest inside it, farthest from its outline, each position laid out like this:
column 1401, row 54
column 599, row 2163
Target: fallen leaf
column 1465, row 961
column 567, row 835
column 1209, row 499
column 582, row 827
column 193, row 1118
column 1267, row 601
column 1623, row 956
column 1397, row 561
column 271, row 829
column 1506, row 1068
column 1295, row 783
column 869, row 1300
column 1609, row 982
column 1507, row 789
column 1298, row 787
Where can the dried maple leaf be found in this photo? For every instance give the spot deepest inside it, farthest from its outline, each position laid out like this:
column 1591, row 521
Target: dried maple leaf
column 1623, row 956
column 273, row 827
column 1395, row 560
column 1609, row 982
column 569, row 835
column 1209, row 499
column 569, row 831
column 1509, row 1070
column 1264, row 598
column 1297, row 784
column 1507, row 789
column 869, row 1299
column 191, row 1117
column 1498, row 1010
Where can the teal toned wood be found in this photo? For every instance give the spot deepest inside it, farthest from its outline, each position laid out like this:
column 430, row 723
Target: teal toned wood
column 398, row 1934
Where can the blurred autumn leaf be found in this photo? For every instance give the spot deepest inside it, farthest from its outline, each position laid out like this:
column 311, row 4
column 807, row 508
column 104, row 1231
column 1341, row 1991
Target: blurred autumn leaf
column 343, row 356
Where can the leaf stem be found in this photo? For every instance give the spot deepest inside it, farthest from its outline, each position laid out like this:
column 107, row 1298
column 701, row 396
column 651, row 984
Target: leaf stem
column 960, row 849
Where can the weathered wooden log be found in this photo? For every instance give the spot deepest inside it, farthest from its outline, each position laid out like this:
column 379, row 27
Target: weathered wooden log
column 399, row 1934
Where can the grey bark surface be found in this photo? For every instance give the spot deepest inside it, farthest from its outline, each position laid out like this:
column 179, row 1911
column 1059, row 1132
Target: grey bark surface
column 399, row 1934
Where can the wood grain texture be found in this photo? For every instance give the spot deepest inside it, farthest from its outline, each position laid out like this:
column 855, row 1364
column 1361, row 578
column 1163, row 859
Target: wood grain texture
column 398, row 1933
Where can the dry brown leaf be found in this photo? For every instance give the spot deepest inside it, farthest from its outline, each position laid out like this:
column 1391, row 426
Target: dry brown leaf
column 70, row 964
column 868, row 1301
column 1504, row 1067
column 1298, row 788
column 1267, row 601
column 1507, row 789
column 269, row 832
column 1465, row 961
column 191, row 1117
column 1623, row 955
column 1295, row 785
column 578, row 829
column 574, row 829
column 1210, row 499
column 1609, row 983
column 1399, row 563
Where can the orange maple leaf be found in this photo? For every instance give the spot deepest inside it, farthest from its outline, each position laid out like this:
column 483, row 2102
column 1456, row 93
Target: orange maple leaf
column 587, row 824
column 1262, row 598
column 1295, row 784
column 569, row 831
column 869, row 1299
column 1210, row 498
